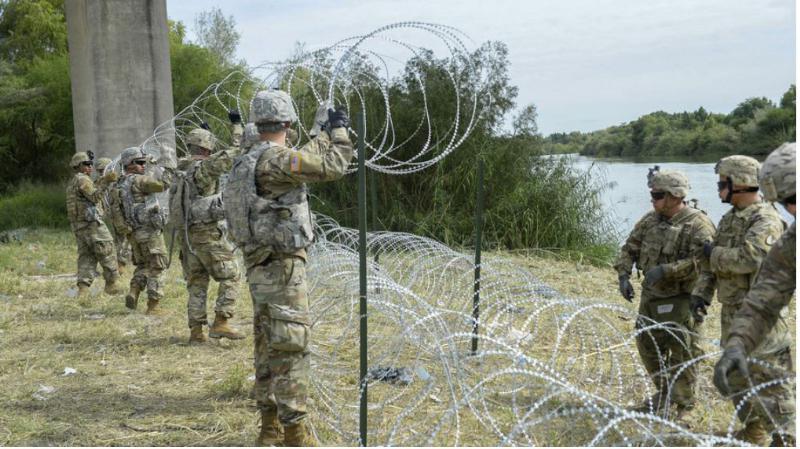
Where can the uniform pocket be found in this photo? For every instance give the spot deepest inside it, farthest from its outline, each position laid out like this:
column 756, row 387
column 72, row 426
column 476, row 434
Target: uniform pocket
column 288, row 328
column 672, row 309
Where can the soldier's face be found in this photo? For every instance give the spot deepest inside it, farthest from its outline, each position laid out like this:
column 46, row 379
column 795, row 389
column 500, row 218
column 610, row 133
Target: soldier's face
column 87, row 168
column 136, row 166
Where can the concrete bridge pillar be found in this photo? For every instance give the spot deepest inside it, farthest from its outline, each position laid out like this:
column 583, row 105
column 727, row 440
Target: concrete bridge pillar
column 120, row 72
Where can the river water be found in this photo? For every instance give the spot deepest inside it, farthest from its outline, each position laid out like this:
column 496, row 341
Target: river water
column 627, row 197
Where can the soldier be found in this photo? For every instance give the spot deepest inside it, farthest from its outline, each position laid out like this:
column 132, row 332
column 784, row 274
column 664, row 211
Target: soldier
column 665, row 244
column 144, row 220
column 120, row 242
column 85, row 213
column 205, row 249
column 759, row 322
column 744, row 235
column 266, row 205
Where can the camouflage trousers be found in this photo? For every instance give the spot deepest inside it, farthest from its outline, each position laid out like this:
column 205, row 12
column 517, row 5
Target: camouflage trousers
column 213, row 257
column 123, row 249
column 281, row 332
column 774, row 405
column 664, row 350
column 150, row 259
column 95, row 245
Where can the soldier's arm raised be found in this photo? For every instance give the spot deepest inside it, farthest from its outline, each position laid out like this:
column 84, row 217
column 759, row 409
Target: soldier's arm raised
column 323, row 159
column 89, row 191
column 771, row 292
column 148, row 184
column 747, row 257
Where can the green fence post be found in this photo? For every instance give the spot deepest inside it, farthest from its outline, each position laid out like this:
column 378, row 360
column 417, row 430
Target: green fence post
column 476, row 298
column 362, row 276
column 373, row 196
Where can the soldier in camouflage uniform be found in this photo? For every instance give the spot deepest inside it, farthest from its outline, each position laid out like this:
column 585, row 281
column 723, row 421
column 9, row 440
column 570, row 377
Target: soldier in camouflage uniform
column 85, row 213
column 120, row 242
column 759, row 322
column 266, row 205
column 144, row 220
column 665, row 244
column 205, row 249
column 731, row 261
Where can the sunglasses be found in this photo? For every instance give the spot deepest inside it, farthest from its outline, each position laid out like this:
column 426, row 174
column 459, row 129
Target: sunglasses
column 140, row 162
column 658, row 195
column 87, row 163
column 722, row 185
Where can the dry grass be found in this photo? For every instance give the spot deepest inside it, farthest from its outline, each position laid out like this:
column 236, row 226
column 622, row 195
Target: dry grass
column 139, row 384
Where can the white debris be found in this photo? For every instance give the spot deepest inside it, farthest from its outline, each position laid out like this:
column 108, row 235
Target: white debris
column 69, row 371
column 40, row 264
column 72, row 292
column 252, row 377
column 103, row 363
column 95, row 316
column 42, row 392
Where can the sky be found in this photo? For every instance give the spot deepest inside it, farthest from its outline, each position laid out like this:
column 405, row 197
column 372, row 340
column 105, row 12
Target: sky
column 585, row 64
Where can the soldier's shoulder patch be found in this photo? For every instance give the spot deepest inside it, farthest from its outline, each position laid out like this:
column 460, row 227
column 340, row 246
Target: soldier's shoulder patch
column 296, row 162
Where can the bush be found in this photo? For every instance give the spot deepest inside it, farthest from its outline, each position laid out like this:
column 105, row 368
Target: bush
column 34, row 205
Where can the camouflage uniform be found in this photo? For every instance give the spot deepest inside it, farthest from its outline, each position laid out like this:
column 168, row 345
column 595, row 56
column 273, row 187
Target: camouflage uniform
column 743, row 238
column 120, row 241
column 758, row 327
column 147, row 242
column 205, row 248
column 277, row 280
column 674, row 243
column 95, row 244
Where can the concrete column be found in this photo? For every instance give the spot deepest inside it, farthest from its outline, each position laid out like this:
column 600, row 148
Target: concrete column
column 120, row 72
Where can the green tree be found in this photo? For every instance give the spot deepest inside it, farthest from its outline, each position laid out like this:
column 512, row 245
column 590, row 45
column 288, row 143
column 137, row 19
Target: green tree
column 218, row 34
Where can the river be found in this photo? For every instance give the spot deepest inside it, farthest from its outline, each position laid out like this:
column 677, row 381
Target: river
column 627, row 197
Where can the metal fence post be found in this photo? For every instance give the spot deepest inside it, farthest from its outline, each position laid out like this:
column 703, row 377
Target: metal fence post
column 476, row 298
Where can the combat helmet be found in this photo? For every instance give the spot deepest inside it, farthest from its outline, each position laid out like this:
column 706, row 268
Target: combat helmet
column 131, row 154
column 673, row 182
column 81, row 157
column 742, row 170
column 778, row 176
column 201, row 138
column 738, row 170
column 102, row 163
column 272, row 106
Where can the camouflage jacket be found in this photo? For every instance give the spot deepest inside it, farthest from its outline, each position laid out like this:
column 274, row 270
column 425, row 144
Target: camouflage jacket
column 281, row 169
column 742, row 240
column 765, row 303
column 675, row 243
column 142, row 188
column 84, row 201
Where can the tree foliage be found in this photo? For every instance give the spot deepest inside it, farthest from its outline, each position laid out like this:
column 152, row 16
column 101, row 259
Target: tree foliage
column 756, row 126
column 218, row 34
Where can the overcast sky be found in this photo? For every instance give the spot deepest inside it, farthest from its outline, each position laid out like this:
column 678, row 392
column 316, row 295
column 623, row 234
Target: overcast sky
column 586, row 64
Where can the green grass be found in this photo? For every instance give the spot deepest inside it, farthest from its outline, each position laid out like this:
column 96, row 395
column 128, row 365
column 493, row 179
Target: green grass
column 34, row 206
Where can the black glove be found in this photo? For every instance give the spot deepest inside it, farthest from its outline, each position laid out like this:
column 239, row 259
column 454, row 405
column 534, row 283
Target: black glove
column 733, row 358
column 90, row 155
column 205, row 126
column 707, row 248
column 234, row 116
column 654, row 275
column 338, row 118
column 698, row 308
column 625, row 287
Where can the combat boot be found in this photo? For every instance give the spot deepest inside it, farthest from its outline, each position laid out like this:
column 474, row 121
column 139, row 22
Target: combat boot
column 297, row 435
column 153, row 308
column 754, row 433
column 221, row 329
column 782, row 440
column 114, row 287
column 196, row 335
column 83, row 291
column 270, row 434
column 132, row 298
